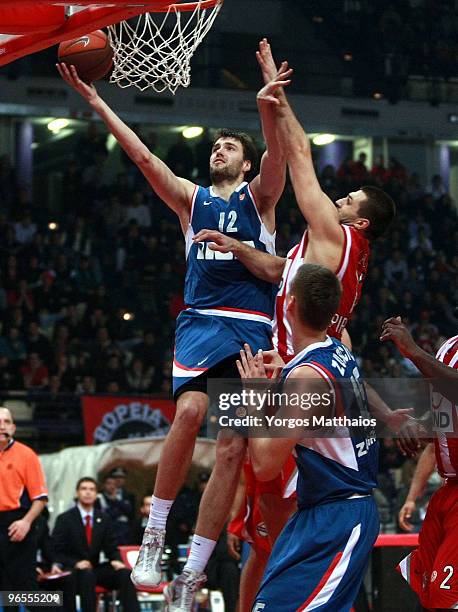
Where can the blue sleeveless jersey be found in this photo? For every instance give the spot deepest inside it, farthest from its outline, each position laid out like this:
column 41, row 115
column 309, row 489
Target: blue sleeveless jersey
column 336, row 468
column 218, row 281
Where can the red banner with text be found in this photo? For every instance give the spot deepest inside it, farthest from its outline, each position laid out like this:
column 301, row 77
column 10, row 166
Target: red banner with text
column 108, row 418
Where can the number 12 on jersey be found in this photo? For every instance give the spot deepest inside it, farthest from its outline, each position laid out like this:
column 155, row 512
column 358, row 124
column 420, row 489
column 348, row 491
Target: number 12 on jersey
column 232, row 219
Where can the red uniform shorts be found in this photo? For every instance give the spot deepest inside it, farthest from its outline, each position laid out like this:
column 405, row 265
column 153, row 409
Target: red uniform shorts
column 432, row 568
column 249, row 525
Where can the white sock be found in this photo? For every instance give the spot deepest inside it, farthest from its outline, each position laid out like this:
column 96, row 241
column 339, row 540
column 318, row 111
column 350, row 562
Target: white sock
column 158, row 513
column 200, row 553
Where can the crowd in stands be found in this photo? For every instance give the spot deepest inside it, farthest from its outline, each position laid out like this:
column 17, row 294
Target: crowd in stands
column 388, row 41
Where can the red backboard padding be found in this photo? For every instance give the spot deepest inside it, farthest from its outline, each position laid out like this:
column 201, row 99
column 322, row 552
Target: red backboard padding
column 27, row 19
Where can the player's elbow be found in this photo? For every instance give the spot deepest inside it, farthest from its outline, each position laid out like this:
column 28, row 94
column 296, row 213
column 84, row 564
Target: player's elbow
column 142, row 157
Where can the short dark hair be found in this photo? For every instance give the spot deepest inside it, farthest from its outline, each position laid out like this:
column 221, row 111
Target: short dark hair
column 317, row 291
column 379, row 208
column 250, row 152
column 85, row 479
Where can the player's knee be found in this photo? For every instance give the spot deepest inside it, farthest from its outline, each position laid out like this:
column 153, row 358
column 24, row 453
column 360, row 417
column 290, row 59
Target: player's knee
column 230, row 450
column 190, row 413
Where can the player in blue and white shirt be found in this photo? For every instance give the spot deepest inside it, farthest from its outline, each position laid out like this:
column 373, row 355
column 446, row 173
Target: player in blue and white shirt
column 227, row 305
column 320, row 557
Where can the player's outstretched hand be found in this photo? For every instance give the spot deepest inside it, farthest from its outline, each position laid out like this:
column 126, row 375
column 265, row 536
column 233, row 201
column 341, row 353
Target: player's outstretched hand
column 411, row 437
column 404, row 515
column 398, row 418
column 266, row 61
column 217, row 241
column 269, row 93
column 394, row 329
column 70, row 75
column 273, row 362
column 249, row 365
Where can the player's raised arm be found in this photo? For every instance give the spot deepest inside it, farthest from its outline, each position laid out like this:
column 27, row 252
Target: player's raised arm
column 175, row 191
column 269, row 184
column 318, row 210
column 445, row 378
column 262, row 265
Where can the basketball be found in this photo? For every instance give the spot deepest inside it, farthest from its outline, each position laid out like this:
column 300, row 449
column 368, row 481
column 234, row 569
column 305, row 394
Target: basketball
column 91, row 55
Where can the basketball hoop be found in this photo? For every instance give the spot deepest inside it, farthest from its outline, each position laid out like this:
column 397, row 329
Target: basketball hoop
column 156, row 50
column 153, row 41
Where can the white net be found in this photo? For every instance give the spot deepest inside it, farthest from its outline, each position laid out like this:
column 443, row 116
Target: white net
column 155, row 49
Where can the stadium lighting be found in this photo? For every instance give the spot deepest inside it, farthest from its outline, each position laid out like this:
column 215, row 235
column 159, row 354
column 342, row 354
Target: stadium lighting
column 128, row 316
column 193, row 131
column 52, row 225
column 323, row 139
column 57, row 124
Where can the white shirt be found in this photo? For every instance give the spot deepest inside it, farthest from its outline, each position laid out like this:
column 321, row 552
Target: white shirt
column 85, row 513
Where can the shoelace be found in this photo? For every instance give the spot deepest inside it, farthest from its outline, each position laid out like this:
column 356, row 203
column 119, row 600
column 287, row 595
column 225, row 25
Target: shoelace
column 188, row 588
column 148, row 560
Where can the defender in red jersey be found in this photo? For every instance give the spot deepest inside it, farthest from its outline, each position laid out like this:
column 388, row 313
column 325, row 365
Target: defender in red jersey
column 432, row 568
column 337, row 237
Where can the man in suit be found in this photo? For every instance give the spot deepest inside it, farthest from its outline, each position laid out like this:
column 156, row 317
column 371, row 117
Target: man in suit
column 80, row 535
column 120, row 475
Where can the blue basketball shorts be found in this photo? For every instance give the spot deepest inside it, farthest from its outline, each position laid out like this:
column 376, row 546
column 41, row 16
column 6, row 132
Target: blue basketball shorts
column 320, row 558
column 202, row 341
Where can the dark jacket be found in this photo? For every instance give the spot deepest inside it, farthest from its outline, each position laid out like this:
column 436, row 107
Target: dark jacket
column 70, row 543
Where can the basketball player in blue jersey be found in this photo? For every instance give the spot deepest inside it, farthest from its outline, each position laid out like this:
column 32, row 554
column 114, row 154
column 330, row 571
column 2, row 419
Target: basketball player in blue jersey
column 227, row 305
column 319, row 559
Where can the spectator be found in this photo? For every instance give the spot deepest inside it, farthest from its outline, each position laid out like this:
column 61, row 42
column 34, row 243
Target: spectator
column 180, row 158
column 85, row 277
column 421, row 241
column 120, row 511
column 35, row 374
column 437, row 188
column 25, row 229
column 65, row 373
column 12, row 347
column 23, row 496
column 80, row 535
column 139, row 378
column 396, row 268
column 38, row 343
column 111, row 371
column 87, row 386
column 21, row 297
column 138, row 211
column 120, row 475
column 9, row 376
column 90, row 145
column 78, row 239
column 148, row 351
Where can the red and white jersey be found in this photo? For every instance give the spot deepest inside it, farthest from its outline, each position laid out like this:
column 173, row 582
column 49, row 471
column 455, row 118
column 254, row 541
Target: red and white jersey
column 446, row 446
column 351, row 272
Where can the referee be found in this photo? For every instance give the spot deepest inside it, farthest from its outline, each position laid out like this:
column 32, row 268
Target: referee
column 23, row 495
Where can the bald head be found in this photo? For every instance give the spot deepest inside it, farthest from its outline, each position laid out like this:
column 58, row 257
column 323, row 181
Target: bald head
column 5, row 413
